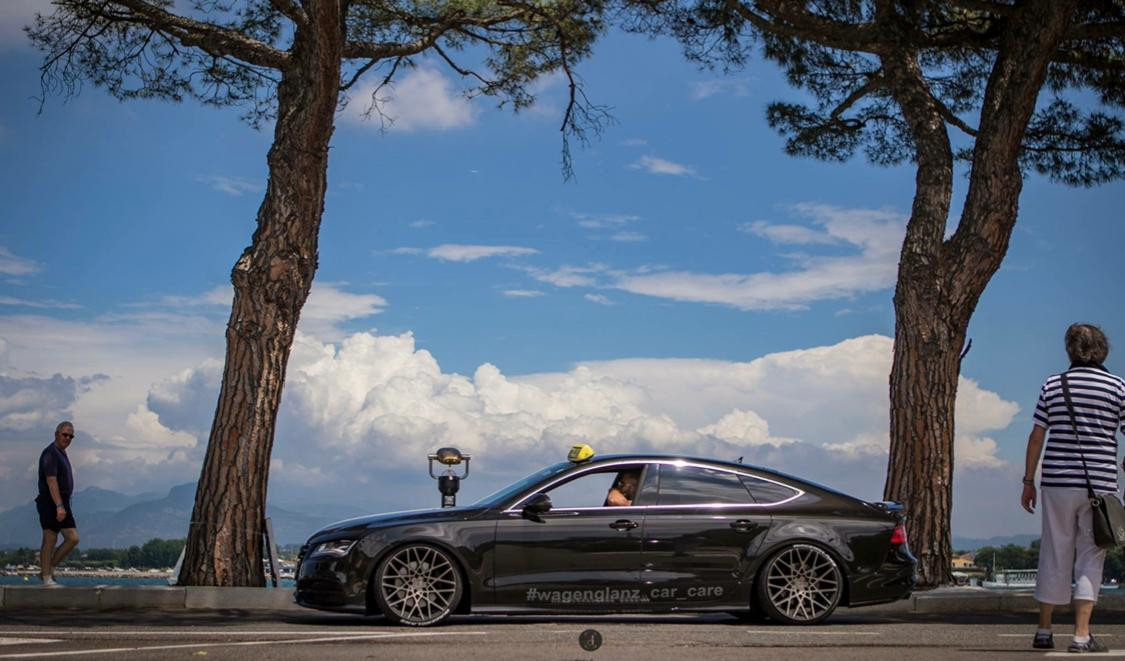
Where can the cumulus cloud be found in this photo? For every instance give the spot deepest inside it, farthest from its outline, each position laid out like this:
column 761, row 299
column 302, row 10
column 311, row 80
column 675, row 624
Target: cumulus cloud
column 468, row 253
column 654, row 165
column 12, row 265
column 598, row 298
column 424, row 99
column 876, row 235
column 371, row 406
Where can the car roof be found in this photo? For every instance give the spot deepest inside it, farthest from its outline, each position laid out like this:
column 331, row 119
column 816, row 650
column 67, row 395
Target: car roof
column 607, row 458
column 733, row 465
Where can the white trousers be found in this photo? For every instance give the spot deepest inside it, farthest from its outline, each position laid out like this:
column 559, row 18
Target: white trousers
column 1067, row 553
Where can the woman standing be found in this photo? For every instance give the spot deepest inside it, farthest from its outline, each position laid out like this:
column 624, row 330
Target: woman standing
column 1071, row 463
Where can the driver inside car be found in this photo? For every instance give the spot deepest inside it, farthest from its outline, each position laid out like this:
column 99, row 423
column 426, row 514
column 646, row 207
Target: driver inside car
column 623, row 491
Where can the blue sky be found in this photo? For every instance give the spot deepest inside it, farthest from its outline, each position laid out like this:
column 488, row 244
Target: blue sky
column 694, row 289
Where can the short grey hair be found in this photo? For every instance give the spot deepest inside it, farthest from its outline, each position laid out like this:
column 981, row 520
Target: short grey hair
column 1086, row 343
column 64, row 423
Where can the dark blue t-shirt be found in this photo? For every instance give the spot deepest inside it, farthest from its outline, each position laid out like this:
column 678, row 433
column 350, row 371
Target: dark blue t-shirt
column 53, row 462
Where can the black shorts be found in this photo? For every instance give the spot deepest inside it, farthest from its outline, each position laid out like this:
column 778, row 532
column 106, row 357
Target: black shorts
column 47, row 518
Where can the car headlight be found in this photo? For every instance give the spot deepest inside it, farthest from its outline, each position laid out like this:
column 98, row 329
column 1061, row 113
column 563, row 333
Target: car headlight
column 338, row 548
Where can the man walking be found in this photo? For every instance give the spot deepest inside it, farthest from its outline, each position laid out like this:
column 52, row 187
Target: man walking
column 56, row 483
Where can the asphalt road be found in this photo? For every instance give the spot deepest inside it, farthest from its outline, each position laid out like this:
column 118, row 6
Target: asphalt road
column 241, row 634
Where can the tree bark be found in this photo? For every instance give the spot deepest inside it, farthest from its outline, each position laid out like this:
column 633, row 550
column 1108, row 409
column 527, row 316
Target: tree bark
column 940, row 283
column 923, row 382
column 271, row 282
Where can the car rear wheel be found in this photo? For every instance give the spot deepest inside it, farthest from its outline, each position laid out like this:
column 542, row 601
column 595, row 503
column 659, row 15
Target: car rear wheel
column 417, row 585
column 800, row 584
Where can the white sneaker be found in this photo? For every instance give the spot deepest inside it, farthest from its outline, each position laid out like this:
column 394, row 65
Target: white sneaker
column 49, row 582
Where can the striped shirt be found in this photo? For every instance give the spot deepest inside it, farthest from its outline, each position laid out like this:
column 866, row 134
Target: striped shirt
column 1099, row 411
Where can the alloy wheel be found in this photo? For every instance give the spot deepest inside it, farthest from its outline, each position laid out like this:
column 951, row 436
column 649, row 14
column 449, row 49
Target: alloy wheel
column 417, row 585
column 801, row 584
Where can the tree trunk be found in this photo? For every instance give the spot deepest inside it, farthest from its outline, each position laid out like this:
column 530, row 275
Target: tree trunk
column 271, row 281
column 940, row 283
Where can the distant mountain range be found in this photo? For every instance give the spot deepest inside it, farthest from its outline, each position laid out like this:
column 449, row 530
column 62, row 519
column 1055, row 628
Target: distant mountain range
column 971, row 544
column 107, row 519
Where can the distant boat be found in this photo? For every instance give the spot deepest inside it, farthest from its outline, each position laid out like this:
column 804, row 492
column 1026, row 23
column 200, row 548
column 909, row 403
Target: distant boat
column 1013, row 579
column 1024, row 579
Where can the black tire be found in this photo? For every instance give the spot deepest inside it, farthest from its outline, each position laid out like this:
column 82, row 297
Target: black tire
column 800, row 584
column 417, row 585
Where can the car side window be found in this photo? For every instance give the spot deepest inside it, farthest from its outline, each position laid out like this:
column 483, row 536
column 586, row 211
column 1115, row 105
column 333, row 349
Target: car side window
column 588, row 490
column 693, row 485
column 766, row 492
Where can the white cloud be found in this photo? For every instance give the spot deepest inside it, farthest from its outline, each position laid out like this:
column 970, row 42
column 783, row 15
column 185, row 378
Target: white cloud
column 406, row 250
column 375, row 404
column 628, row 237
column 44, row 304
column 328, row 306
column 789, row 234
column 877, row 235
column 708, row 88
column 359, row 415
column 467, row 253
column 422, row 224
column 522, row 293
column 569, row 276
column 12, row 265
column 423, row 99
column 598, row 298
column 654, row 165
column 14, row 16
column 233, row 186
column 605, row 221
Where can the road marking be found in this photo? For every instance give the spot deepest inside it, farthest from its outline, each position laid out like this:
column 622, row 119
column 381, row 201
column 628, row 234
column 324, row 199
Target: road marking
column 26, row 641
column 1068, row 654
column 815, row 633
column 334, row 639
column 218, row 632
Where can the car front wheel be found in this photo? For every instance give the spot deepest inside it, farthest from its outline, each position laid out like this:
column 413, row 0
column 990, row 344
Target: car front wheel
column 417, row 585
column 800, row 584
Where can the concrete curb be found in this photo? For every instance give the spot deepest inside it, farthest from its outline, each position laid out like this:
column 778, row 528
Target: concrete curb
column 148, row 597
column 114, row 597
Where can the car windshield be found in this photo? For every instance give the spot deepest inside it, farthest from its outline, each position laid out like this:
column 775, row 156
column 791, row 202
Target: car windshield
column 513, row 490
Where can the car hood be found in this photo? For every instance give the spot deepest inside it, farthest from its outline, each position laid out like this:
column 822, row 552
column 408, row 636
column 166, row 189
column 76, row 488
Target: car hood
column 396, row 518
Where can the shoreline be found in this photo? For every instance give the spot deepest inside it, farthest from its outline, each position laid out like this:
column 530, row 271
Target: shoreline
column 92, row 573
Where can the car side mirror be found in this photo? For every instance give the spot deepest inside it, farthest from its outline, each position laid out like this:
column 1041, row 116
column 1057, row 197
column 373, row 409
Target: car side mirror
column 538, row 504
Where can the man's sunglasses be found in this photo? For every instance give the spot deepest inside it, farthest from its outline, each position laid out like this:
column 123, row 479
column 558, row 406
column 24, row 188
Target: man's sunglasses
column 67, row 435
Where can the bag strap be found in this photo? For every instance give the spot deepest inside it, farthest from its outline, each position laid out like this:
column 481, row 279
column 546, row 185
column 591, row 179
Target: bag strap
column 1077, row 438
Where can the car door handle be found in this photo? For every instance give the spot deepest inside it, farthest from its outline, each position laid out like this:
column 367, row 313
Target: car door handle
column 623, row 524
column 742, row 525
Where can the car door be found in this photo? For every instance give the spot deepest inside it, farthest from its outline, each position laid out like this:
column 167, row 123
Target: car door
column 581, row 555
column 699, row 538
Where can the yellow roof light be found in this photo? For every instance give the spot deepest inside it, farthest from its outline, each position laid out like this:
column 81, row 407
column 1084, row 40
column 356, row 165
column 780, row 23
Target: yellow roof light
column 580, row 452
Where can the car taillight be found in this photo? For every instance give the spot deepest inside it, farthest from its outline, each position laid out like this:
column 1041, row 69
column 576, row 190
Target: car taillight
column 898, row 537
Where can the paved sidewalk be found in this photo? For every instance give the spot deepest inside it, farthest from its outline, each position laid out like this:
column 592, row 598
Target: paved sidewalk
column 24, row 598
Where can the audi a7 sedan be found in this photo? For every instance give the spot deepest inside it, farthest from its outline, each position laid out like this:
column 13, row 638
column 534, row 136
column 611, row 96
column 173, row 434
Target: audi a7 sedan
column 698, row 535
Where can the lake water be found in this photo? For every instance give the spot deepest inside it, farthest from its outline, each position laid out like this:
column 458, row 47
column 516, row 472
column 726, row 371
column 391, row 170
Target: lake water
column 88, row 581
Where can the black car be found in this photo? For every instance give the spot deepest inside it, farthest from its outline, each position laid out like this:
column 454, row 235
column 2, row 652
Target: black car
column 698, row 535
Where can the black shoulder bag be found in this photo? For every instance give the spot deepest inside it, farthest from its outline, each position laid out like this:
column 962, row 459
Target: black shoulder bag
column 1109, row 516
